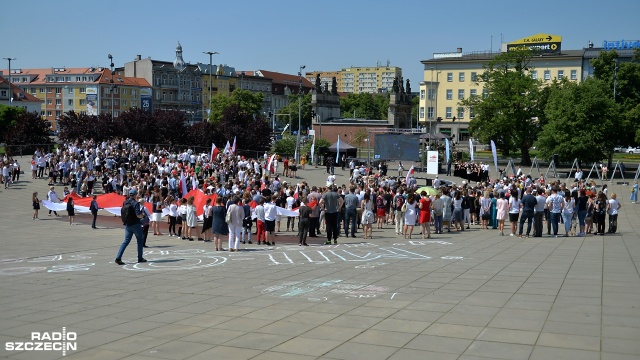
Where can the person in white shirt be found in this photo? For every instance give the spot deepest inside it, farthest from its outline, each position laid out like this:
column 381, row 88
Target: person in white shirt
column 613, row 207
column 270, row 213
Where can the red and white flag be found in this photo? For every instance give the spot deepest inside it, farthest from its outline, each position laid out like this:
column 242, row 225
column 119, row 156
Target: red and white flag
column 270, row 167
column 409, row 174
column 233, row 148
column 183, row 184
column 227, row 148
column 295, row 194
column 214, row 151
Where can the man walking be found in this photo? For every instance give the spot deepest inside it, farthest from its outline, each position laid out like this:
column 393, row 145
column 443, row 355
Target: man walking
column 350, row 206
column 132, row 214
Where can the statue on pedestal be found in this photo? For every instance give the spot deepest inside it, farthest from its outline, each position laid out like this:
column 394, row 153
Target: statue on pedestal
column 408, row 87
column 334, row 86
column 318, row 84
column 395, row 85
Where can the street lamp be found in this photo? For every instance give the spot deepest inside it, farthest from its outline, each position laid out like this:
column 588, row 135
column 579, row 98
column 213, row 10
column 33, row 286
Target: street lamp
column 210, row 53
column 430, row 102
column 9, row 78
column 299, row 112
column 112, row 87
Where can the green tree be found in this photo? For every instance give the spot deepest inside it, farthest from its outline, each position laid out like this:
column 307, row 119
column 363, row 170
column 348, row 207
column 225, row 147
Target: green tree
column 365, row 106
column 292, row 110
column 623, row 78
column 285, row 146
column 8, row 117
column 248, row 102
column 29, row 131
column 512, row 113
column 581, row 122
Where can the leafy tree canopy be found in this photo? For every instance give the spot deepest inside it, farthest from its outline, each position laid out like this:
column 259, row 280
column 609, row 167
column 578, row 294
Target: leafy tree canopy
column 365, row 106
column 583, row 122
column 512, row 113
column 246, row 101
column 28, row 129
column 292, row 110
column 8, row 117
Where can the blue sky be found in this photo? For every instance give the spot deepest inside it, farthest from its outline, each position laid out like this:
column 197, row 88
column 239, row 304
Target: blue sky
column 281, row 35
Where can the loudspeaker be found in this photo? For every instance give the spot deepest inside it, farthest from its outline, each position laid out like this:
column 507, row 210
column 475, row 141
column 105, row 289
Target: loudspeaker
column 555, row 159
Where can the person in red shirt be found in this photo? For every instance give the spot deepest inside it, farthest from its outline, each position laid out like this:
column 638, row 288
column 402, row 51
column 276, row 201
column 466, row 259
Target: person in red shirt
column 425, row 214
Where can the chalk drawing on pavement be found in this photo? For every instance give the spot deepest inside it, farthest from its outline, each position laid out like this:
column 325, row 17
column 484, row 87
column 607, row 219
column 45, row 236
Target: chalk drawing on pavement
column 323, row 290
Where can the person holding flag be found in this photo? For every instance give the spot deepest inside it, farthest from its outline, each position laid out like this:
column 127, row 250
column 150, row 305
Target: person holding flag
column 409, row 179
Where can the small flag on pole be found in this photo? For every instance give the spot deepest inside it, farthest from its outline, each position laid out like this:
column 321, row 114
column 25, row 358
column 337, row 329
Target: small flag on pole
column 409, row 174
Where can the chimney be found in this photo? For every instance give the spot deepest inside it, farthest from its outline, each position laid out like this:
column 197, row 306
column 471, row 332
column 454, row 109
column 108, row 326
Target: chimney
column 138, row 57
column 459, row 50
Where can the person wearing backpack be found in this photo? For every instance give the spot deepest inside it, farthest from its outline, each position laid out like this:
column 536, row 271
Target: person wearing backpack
column 131, row 214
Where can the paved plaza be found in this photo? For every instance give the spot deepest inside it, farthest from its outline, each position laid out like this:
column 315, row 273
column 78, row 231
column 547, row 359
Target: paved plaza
column 467, row 295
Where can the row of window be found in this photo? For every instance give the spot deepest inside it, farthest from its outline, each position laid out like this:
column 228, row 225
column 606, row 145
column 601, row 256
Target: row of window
column 534, row 75
column 448, row 113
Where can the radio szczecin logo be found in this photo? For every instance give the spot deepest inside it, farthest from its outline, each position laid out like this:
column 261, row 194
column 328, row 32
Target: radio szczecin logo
column 46, row 341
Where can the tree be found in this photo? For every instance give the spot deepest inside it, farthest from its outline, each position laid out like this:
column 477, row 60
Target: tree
column 8, row 117
column 320, row 143
column 292, row 110
column 251, row 134
column 365, row 106
column 28, row 130
column 248, row 103
column 627, row 91
column 512, row 113
column 581, row 122
column 285, row 146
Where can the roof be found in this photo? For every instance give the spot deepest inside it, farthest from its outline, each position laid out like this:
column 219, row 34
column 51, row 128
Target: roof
column 487, row 55
column 105, row 78
column 280, row 78
column 39, row 75
column 18, row 94
column 344, row 146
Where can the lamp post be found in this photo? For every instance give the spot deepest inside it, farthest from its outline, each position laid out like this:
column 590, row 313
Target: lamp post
column 210, row 53
column 9, row 78
column 430, row 102
column 112, row 86
column 299, row 112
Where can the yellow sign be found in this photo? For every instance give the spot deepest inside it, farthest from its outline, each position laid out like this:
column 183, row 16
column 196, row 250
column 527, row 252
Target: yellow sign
column 537, row 39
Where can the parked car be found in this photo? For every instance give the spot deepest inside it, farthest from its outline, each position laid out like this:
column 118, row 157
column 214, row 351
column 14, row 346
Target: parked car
column 619, row 149
column 633, row 150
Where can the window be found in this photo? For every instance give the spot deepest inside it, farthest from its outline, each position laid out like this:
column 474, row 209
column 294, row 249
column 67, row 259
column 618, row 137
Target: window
column 70, row 102
column 105, row 103
column 421, row 112
column 449, row 77
column 574, row 74
column 485, row 93
column 448, row 112
column 83, row 102
column 473, row 93
column 534, row 74
column 83, row 90
column 134, row 92
column 421, row 94
column 49, row 90
column 461, row 113
column 4, row 93
column 164, row 95
column 70, row 90
column 49, row 101
column 432, row 94
column 449, row 94
column 58, row 113
column 461, row 94
column 560, row 74
column 430, row 112
column 58, row 90
column 49, row 113
column 472, row 113
column 124, row 102
column 41, row 90
column 125, row 91
column 67, row 79
column 547, row 75
column 78, row 78
column 461, row 77
column 474, row 76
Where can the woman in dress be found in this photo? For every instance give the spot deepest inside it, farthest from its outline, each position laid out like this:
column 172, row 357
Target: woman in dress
column 493, row 221
column 634, row 193
column 367, row 215
column 503, row 208
column 485, row 210
column 425, row 214
column 514, row 211
column 191, row 218
column 36, row 204
column 410, row 215
column 71, row 210
column 206, row 225
column 218, row 225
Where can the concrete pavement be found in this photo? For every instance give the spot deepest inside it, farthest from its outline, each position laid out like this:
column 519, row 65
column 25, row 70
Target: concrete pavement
column 467, row 295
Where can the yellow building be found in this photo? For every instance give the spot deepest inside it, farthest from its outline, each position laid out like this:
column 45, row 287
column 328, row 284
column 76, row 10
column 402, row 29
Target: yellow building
column 451, row 77
column 326, row 78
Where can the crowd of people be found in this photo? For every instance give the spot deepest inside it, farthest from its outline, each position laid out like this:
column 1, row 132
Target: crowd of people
column 249, row 192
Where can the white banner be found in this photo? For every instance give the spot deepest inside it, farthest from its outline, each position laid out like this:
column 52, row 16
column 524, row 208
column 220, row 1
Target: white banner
column 432, row 162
